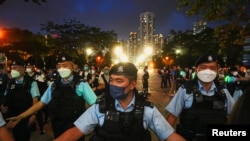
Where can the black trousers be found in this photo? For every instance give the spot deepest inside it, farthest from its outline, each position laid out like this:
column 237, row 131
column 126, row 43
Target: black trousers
column 61, row 125
column 22, row 131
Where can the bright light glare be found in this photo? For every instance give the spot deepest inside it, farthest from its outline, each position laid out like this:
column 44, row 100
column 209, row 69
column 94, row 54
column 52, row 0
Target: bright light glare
column 148, row 50
column 140, row 59
column 178, row 51
column 124, row 58
column 89, row 51
column 118, row 50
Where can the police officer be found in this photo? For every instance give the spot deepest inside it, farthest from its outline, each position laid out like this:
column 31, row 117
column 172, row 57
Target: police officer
column 145, row 78
column 123, row 115
column 65, row 98
column 103, row 80
column 22, row 92
column 200, row 101
column 235, row 83
column 37, row 74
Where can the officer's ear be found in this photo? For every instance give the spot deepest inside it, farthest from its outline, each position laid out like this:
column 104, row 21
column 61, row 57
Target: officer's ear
column 133, row 84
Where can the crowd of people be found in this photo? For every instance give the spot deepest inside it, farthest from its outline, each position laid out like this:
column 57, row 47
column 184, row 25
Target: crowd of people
column 235, row 78
column 106, row 102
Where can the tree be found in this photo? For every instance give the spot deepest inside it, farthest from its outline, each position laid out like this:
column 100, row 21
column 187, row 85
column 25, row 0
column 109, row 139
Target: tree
column 214, row 10
column 190, row 46
column 22, row 43
column 235, row 13
column 73, row 37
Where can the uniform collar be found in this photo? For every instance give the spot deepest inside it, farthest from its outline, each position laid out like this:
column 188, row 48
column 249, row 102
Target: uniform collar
column 210, row 92
column 18, row 81
column 68, row 80
column 129, row 107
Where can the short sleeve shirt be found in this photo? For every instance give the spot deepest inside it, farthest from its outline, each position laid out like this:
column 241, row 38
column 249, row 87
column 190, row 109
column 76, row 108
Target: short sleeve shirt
column 2, row 121
column 34, row 90
column 82, row 89
column 183, row 100
column 152, row 119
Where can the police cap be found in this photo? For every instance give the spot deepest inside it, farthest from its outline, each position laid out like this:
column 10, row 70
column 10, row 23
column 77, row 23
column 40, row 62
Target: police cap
column 205, row 58
column 124, row 68
column 18, row 62
column 64, row 58
column 30, row 62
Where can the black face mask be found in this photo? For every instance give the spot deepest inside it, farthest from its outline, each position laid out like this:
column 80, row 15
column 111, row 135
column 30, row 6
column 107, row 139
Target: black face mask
column 117, row 92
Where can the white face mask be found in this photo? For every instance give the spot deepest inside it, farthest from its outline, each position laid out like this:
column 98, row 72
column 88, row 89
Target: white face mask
column 15, row 73
column 64, row 72
column 28, row 70
column 206, row 75
column 235, row 73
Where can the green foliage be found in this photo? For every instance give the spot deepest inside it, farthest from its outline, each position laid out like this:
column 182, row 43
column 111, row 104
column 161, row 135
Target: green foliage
column 213, row 10
column 229, row 37
column 73, row 37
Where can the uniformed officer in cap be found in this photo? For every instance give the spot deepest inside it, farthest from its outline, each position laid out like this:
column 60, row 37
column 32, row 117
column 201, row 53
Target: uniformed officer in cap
column 65, row 98
column 22, row 92
column 38, row 74
column 200, row 101
column 123, row 117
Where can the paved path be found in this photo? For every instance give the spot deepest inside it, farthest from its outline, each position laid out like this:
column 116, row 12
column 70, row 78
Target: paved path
column 159, row 96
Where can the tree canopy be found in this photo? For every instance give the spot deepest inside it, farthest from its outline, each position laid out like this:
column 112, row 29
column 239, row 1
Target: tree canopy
column 236, row 15
column 214, row 10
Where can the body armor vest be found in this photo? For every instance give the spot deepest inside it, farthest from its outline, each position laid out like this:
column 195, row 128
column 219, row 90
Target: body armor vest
column 18, row 98
column 122, row 126
column 65, row 103
column 42, row 86
column 205, row 110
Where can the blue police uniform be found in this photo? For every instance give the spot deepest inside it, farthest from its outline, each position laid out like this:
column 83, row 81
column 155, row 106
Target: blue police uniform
column 183, row 100
column 152, row 119
column 19, row 97
column 34, row 90
column 2, row 121
column 83, row 90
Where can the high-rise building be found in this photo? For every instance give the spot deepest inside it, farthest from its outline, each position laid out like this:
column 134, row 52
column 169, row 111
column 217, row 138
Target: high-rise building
column 133, row 43
column 146, row 29
column 199, row 26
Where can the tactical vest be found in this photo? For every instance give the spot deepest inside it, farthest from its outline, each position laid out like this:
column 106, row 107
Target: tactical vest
column 122, row 126
column 42, row 86
column 65, row 103
column 105, row 90
column 205, row 110
column 18, row 97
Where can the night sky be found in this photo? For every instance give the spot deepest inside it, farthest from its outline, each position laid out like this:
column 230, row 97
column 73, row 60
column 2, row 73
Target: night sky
column 122, row 16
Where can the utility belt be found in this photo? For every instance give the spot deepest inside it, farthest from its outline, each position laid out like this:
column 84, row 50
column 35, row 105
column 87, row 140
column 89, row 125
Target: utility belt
column 189, row 134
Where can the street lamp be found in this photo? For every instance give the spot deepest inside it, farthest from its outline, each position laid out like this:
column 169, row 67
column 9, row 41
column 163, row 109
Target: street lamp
column 148, row 50
column 118, row 52
column 89, row 51
column 177, row 51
